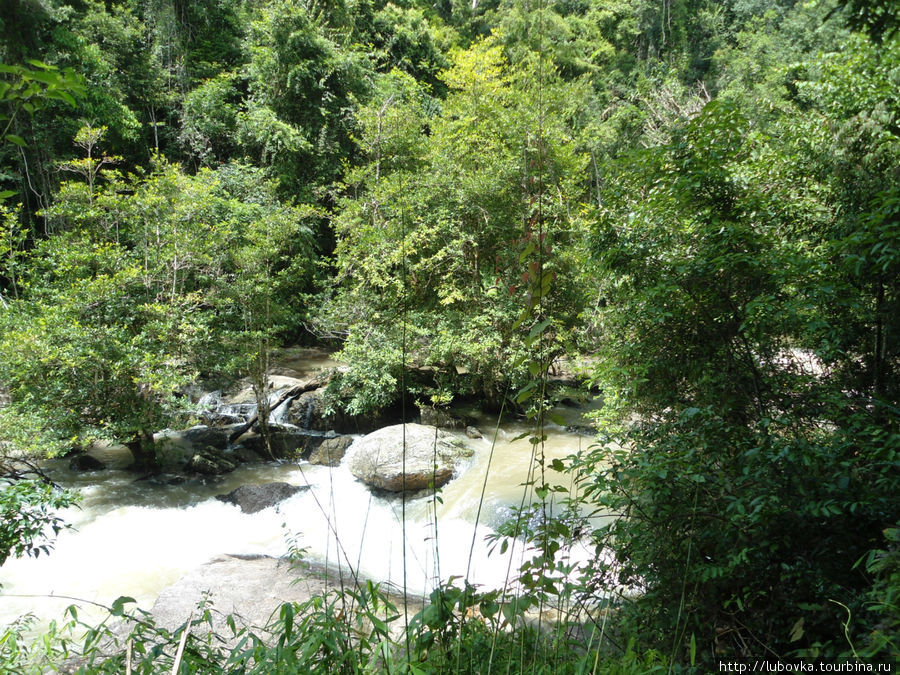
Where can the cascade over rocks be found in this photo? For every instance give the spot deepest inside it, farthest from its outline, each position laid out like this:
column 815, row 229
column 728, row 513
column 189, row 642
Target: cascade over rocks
column 253, row 498
column 308, row 411
column 377, row 459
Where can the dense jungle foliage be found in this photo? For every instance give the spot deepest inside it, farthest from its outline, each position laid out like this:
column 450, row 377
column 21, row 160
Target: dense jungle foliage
column 700, row 197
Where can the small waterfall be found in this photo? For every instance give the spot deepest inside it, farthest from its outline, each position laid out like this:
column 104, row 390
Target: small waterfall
column 279, row 413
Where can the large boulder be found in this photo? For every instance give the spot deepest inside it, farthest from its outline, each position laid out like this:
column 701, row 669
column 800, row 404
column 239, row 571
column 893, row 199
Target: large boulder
column 252, row 589
column 307, row 411
column 284, row 441
column 332, row 451
column 253, row 498
column 378, row 458
column 443, row 418
column 86, row 462
column 203, row 435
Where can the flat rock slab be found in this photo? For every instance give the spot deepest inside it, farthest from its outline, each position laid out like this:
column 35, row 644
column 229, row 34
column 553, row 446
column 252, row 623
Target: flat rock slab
column 252, row 589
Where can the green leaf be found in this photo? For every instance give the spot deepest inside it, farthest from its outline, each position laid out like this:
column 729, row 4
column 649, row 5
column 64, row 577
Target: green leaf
column 797, row 630
column 50, row 79
column 17, row 140
column 509, row 612
column 118, row 606
column 526, row 393
column 539, row 328
column 39, row 64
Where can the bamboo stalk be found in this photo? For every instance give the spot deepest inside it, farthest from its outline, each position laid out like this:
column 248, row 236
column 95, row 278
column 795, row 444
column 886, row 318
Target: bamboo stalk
column 180, row 653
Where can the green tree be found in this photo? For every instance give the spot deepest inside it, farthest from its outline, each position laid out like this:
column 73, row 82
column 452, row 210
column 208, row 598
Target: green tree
column 28, row 505
column 144, row 286
column 440, row 239
column 746, row 358
column 303, row 87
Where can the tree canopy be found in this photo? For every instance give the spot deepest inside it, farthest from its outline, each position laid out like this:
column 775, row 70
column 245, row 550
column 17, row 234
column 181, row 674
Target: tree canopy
column 700, row 198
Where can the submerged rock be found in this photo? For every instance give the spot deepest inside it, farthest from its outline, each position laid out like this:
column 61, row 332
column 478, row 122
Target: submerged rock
column 378, row 459
column 253, row 498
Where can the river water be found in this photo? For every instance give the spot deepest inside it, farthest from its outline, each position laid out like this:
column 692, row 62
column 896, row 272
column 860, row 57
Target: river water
column 136, row 537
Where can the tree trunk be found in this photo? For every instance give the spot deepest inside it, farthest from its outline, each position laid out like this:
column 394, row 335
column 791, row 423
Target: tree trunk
column 143, row 449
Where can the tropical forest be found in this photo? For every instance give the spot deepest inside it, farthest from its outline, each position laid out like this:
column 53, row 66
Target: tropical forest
column 449, row 336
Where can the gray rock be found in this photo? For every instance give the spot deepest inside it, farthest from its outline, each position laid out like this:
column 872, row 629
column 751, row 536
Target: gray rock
column 331, row 451
column 308, row 411
column 253, row 498
column 215, row 437
column 85, row 462
column 443, row 418
column 252, row 589
column 438, row 417
column 378, row 458
column 210, row 463
column 243, row 454
column 472, row 432
column 284, row 442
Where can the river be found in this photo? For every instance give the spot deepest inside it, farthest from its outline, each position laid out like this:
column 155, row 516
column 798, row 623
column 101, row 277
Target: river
column 136, row 537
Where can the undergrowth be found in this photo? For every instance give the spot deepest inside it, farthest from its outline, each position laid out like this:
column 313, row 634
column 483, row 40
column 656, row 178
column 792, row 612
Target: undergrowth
column 352, row 631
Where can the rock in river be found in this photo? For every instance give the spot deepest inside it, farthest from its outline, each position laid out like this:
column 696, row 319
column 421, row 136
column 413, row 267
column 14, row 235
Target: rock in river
column 211, row 463
column 332, row 451
column 86, row 462
column 377, row 459
column 253, row 498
